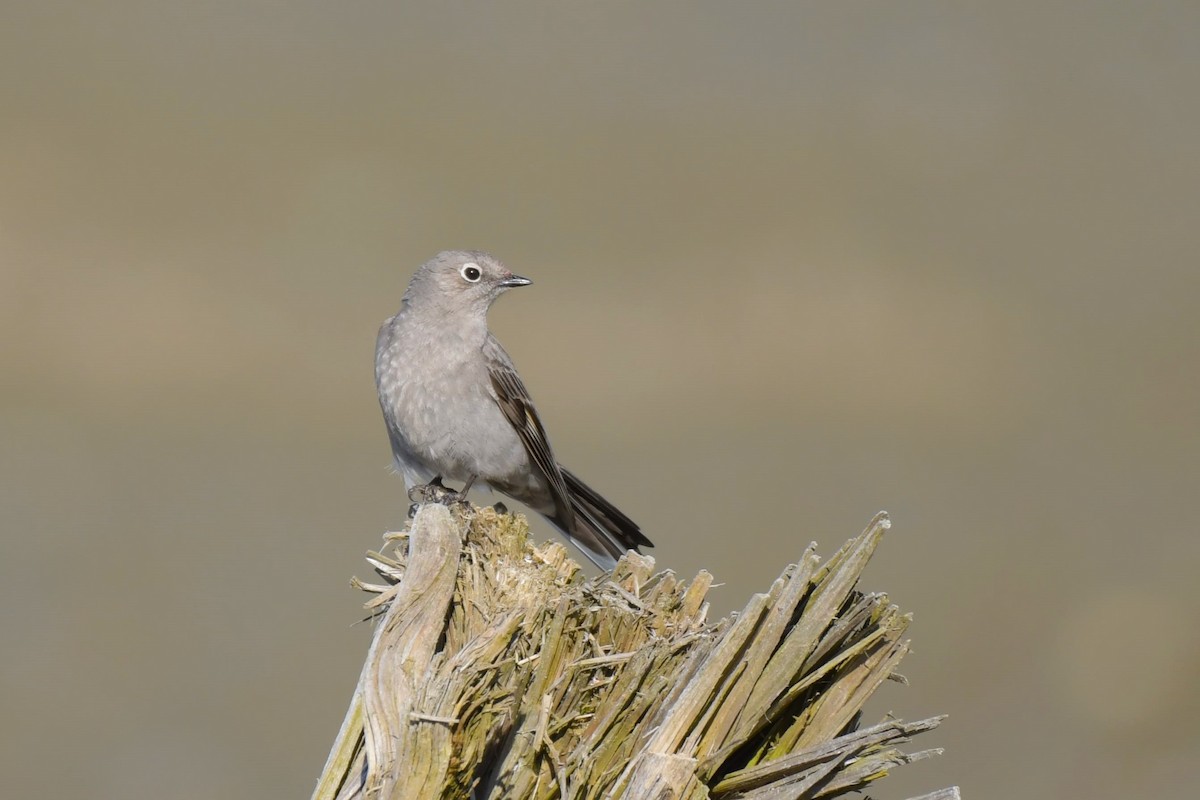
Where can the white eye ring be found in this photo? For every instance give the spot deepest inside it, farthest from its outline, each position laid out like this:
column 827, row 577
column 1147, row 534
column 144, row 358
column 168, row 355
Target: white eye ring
column 471, row 272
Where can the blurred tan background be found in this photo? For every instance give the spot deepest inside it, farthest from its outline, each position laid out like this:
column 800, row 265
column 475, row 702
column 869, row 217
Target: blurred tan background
column 792, row 265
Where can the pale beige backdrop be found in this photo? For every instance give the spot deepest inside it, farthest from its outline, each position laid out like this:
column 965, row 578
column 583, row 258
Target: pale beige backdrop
column 792, row 264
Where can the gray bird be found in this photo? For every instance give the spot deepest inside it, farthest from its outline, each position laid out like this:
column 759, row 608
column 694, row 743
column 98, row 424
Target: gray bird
column 456, row 408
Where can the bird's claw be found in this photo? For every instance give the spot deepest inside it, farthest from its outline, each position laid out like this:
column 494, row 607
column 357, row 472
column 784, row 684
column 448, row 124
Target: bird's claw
column 437, row 492
column 427, row 493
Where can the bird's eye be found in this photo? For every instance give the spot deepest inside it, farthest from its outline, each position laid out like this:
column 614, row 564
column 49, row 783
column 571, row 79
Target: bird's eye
column 471, row 272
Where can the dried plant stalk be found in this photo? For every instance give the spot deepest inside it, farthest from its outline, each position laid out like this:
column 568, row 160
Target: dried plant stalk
column 498, row 671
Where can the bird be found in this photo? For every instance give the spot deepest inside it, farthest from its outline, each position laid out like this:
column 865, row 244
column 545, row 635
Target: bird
column 456, row 408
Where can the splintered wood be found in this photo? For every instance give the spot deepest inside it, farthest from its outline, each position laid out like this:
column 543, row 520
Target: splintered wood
column 498, row 671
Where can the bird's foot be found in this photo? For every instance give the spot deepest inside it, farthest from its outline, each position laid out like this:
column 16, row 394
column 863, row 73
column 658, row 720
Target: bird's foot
column 437, row 492
column 431, row 492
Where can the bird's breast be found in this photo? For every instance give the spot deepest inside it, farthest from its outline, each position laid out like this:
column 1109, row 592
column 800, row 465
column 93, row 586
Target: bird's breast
column 437, row 397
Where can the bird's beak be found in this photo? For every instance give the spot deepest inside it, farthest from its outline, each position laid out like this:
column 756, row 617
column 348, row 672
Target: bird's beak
column 515, row 280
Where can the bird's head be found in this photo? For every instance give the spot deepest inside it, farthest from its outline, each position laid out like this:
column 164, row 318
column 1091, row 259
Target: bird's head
column 466, row 281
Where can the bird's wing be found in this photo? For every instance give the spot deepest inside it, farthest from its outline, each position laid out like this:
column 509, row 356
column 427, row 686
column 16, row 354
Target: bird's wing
column 513, row 399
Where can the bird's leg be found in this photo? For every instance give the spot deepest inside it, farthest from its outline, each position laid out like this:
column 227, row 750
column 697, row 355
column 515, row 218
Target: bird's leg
column 451, row 497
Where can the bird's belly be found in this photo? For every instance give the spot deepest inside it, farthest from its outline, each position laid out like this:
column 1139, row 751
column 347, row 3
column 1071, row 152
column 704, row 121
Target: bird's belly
column 452, row 426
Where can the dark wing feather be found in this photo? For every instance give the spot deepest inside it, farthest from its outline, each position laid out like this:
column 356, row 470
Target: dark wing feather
column 593, row 524
column 517, row 406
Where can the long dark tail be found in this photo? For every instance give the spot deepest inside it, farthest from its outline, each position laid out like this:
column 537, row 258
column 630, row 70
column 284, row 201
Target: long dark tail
column 600, row 526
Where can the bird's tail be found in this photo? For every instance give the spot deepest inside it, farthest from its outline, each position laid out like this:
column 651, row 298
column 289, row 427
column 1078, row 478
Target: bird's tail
column 601, row 530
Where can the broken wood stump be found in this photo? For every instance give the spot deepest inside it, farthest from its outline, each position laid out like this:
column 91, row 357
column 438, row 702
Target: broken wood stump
column 498, row 671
